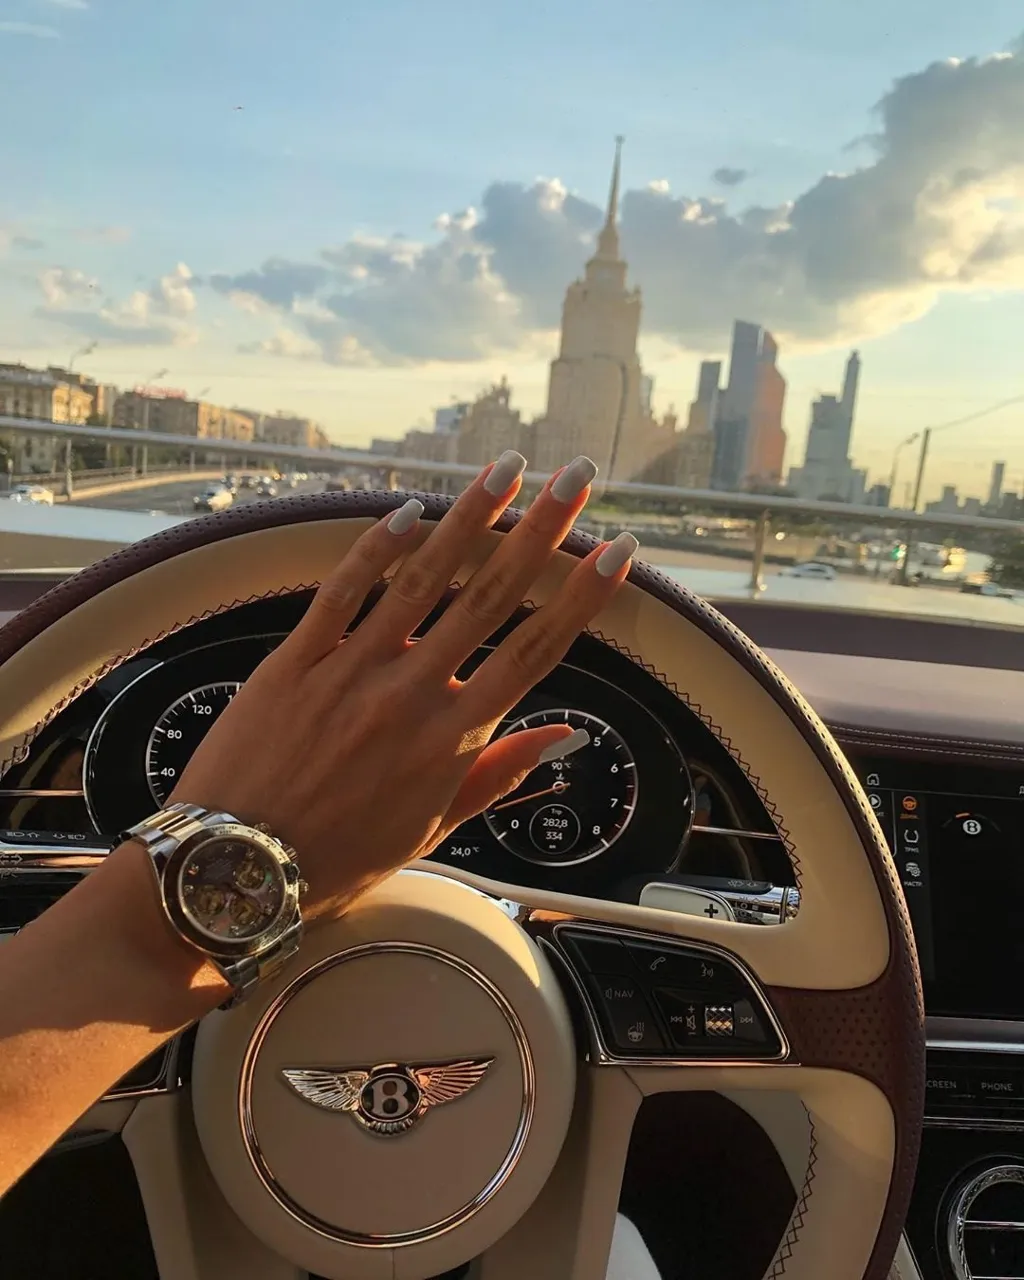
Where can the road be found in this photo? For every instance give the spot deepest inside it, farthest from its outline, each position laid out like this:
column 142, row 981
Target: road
column 176, row 499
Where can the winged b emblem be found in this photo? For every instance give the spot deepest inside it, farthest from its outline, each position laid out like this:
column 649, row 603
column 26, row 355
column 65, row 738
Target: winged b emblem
column 389, row 1098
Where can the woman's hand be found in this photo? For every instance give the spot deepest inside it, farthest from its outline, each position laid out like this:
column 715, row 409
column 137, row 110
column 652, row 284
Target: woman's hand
column 364, row 753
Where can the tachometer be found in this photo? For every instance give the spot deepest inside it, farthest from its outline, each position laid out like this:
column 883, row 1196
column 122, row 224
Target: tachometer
column 180, row 730
column 567, row 811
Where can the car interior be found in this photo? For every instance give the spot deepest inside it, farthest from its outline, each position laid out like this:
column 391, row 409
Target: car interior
column 739, row 978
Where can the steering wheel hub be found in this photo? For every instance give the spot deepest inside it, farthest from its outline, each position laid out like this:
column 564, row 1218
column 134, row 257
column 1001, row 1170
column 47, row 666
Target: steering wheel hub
column 405, row 1085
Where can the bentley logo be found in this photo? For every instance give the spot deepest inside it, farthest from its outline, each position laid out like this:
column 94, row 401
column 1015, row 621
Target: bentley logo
column 390, row 1098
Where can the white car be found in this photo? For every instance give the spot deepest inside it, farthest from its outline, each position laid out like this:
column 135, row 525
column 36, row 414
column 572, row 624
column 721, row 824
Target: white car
column 31, row 493
column 213, row 498
column 811, row 569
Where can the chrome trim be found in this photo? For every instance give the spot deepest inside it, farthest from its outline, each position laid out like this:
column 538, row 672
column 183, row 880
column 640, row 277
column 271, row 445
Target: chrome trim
column 166, row 1081
column 957, row 1221
column 37, row 793
column 975, row 1035
column 980, row 1124
column 601, row 1055
column 459, row 1216
column 776, row 905
column 738, row 832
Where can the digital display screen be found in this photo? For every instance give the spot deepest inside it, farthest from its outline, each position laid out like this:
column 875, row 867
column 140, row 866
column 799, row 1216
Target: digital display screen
column 957, row 836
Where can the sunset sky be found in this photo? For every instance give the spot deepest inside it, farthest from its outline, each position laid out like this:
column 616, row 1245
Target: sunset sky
column 359, row 211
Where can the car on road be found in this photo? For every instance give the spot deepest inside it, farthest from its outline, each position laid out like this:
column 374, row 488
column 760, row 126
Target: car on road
column 230, row 482
column 811, row 569
column 266, row 488
column 215, row 497
column 32, row 493
column 247, row 482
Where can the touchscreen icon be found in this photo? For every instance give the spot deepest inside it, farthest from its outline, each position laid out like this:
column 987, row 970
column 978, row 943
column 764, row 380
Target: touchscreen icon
column 911, row 835
column 909, row 804
column 873, row 780
column 875, row 800
column 914, row 870
column 972, row 827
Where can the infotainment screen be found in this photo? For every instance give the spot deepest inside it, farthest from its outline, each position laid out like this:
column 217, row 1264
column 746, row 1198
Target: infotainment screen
column 957, row 835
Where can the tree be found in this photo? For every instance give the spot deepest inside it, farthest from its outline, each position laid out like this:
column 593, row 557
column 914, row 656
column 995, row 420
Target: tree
column 1007, row 564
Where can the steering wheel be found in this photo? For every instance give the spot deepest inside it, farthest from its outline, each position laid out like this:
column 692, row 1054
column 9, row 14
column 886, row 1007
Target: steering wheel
column 408, row 1094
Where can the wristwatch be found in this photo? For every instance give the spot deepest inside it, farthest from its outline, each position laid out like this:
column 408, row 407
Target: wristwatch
column 229, row 890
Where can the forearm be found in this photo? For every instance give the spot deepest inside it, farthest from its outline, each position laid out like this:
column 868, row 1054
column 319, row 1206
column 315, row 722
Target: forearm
column 86, row 992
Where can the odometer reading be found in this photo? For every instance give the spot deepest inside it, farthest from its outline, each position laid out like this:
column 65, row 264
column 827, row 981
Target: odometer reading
column 567, row 811
column 180, row 730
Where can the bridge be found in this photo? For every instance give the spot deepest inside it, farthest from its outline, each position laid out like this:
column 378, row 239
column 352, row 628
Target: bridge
column 759, row 506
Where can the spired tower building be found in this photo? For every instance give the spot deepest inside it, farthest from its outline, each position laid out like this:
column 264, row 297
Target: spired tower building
column 596, row 401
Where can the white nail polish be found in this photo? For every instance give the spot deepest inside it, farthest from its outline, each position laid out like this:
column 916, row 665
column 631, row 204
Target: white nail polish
column 402, row 520
column 615, row 555
column 505, row 472
column 574, row 479
column 564, row 746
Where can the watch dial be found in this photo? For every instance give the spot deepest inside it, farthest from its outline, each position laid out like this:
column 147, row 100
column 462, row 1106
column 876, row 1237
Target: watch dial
column 231, row 890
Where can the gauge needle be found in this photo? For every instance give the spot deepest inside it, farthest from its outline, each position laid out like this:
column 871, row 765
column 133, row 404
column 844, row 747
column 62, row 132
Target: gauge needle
column 558, row 788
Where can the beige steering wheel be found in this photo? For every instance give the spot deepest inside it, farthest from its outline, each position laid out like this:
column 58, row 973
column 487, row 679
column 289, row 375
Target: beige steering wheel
column 438, row 979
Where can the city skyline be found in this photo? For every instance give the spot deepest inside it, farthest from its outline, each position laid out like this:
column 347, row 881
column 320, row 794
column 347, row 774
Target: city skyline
column 232, row 212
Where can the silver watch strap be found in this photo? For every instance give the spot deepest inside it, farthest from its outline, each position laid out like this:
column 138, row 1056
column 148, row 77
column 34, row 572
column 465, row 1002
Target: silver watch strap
column 160, row 834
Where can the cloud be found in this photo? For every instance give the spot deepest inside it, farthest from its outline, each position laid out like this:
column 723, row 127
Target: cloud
column 726, row 177
column 935, row 205
column 33, row 29
column 26, row 242
column 285, row 342
column 103, row 235
column 158, row 316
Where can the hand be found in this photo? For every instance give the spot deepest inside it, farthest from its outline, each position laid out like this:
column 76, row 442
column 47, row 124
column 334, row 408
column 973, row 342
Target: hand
column 364, row 752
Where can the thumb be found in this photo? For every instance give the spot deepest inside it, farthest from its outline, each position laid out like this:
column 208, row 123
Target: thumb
column 502, row 765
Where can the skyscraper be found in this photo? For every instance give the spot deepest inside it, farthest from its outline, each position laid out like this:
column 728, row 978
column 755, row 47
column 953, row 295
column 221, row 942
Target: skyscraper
column 596, row 395
column 749, row 438
column 827, row 471
column 995, row 488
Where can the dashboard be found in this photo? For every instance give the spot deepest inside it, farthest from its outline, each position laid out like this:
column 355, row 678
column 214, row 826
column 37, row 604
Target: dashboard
column 652, row 798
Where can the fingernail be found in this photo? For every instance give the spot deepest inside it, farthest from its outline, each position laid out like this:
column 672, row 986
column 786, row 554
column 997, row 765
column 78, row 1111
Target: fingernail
column 505, row 472
column 574, row 479
column 402, row 520
column 615, row 555
column 564, row 746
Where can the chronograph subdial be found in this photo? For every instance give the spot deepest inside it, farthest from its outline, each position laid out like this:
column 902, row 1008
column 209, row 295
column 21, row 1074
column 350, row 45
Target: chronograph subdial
column 567, row 811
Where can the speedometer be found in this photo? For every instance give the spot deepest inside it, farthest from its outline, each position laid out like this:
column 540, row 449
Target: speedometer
column 180, row 730
column 567, row 811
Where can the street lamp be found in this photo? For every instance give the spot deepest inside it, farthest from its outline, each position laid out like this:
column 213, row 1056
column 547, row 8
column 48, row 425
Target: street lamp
column 895, row 463
column 88, row 349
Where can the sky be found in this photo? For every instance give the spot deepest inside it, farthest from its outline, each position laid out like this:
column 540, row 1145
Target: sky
column 361, row 211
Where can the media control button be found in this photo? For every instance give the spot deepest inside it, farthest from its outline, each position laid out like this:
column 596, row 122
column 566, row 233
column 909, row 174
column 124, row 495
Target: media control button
column 718, row 1020
column 684, row 1016
column 747, row 1023
column 625, row 1016
column 998, row 1087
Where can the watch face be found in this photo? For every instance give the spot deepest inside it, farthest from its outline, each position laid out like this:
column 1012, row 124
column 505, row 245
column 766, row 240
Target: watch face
column 231, row 890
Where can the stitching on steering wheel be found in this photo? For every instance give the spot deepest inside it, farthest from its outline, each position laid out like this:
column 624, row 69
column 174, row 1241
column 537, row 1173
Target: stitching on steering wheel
column 796, row 1221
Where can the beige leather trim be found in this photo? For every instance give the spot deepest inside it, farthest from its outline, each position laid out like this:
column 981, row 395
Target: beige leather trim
column 841, row 922
column 848, row 1151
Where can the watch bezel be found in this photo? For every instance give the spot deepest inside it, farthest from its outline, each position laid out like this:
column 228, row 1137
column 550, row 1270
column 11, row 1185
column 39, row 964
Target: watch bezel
column 226, row 948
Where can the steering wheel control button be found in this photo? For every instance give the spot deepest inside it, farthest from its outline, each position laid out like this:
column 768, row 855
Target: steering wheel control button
column 625, row 1015
column 686, row 901
column 597, row 953
column 671, row 967
column 718, row 1020
column 746, row 1023
column 684, row 1017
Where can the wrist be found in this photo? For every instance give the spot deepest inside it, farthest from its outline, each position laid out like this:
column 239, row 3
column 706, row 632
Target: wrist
column 181, row 983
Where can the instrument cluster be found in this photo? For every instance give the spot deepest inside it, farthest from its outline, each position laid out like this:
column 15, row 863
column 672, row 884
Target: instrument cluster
column 652, row 795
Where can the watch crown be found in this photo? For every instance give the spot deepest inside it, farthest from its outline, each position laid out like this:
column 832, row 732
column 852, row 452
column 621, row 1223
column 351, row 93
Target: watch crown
column 303, row 887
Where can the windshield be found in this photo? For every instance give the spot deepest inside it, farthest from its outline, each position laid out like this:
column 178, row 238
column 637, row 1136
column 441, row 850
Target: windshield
column 762, row 263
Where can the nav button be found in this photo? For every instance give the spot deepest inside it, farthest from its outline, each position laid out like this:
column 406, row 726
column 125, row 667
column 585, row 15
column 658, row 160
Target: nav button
column 625, row 1016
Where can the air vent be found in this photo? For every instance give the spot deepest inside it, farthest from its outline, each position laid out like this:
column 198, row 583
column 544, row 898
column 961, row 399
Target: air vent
column 985, row 1225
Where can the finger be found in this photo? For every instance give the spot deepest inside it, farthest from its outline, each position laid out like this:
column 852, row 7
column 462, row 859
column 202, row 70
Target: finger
column 499, row 585
column 335, row 605
column 504, row 764
column 424, row 576
column 541, row 641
